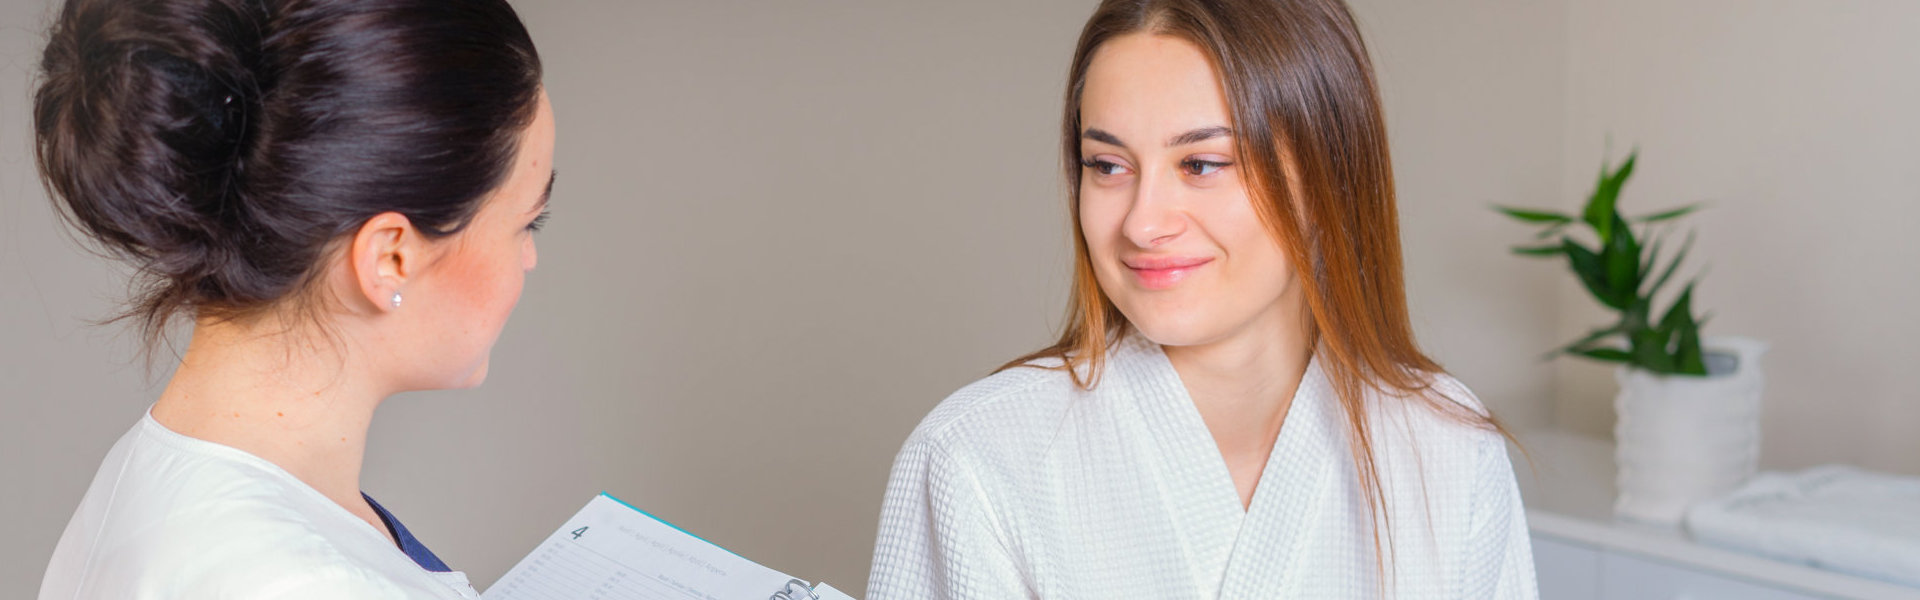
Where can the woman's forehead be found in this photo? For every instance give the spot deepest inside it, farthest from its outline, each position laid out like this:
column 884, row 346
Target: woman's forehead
column 1151, row 85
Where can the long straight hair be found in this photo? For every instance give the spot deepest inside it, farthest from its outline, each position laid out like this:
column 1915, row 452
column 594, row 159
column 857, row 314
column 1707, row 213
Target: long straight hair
column 1302, row 96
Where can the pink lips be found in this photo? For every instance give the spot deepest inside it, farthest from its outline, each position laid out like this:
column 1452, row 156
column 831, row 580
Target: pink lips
column 1159, row 273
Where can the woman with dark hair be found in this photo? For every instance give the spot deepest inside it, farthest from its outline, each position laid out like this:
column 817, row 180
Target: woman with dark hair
column 341, row 195
column 1237, row 407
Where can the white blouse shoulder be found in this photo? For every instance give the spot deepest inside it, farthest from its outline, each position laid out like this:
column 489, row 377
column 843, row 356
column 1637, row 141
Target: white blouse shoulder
column 172, row 517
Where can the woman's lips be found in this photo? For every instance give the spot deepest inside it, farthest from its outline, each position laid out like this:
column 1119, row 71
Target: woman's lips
column 1159, row 273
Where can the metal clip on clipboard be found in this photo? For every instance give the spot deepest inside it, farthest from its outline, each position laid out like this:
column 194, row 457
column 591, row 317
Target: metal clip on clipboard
column 795, row 590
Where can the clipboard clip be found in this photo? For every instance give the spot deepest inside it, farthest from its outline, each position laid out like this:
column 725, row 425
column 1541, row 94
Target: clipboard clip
column 794, row 590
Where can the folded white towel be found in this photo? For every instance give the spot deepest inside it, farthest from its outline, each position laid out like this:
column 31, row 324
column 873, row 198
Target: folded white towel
column 1834, row 517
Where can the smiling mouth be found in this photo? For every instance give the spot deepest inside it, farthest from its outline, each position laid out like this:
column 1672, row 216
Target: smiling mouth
column 1163, row 273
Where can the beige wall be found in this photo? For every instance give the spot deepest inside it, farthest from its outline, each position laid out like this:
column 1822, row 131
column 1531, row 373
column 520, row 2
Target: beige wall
column 1798, row 121
column 1473, row 90
column 67, row 390
column 784, row 232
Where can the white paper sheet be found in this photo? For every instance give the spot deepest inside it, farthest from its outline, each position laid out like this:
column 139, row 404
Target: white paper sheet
column 613, row 551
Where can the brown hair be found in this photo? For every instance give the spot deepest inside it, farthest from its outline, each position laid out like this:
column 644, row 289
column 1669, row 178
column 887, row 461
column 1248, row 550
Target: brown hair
column 221, row 145
column 1303, row 100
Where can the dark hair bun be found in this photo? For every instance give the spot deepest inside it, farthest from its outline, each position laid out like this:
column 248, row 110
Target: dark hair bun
column 222, row 144
column 140, row 117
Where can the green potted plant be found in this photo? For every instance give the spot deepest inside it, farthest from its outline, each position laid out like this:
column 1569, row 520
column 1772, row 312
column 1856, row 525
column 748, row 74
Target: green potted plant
column 1688, row 409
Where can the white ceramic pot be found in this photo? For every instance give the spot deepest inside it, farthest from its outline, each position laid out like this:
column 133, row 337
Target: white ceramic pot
column 1681, row 439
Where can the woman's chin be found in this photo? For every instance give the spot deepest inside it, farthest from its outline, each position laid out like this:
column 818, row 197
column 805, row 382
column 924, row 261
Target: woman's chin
column 1175, row 330
column 472, row 379
column 478, row 377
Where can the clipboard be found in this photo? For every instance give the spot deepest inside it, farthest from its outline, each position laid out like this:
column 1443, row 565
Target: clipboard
column 611, row 550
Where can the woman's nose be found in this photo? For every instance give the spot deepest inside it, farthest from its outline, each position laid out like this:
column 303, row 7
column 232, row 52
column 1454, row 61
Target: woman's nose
column 1154, row 217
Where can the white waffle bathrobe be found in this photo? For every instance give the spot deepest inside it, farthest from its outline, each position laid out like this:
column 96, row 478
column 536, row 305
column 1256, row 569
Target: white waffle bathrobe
column 1023, row 486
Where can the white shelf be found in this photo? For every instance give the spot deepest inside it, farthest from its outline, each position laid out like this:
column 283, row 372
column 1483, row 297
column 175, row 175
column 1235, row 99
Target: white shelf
column 1569, row 491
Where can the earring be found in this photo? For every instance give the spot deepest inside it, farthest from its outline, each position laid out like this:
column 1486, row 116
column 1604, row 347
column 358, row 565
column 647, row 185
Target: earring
column 396, row 299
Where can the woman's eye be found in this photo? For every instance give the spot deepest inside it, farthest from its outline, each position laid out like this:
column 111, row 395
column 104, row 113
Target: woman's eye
column 1194, row 166
column 1103, row 167
column 539, row 222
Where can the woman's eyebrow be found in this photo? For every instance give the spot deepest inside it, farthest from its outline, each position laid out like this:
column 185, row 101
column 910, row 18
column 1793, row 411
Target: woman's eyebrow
column 1101, row 135
column 1200, row 135
column 546, row 196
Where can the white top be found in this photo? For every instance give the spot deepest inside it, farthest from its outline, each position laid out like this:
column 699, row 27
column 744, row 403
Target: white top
column 1023, row 486
column 173, row 517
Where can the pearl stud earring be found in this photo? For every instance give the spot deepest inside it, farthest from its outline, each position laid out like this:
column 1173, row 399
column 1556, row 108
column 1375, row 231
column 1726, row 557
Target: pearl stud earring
column 396, row 299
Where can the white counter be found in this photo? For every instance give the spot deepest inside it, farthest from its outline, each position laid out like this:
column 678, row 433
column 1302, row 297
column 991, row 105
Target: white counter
column 1582, row 553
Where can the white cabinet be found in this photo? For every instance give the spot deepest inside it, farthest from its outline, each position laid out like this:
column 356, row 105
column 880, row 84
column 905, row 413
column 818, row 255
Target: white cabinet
column 1581, row 553
column 1575, row 571
column 1567, row 571
column 1624, row 577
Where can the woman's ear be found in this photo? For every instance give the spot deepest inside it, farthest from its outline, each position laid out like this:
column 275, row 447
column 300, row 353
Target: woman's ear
column 385, row 253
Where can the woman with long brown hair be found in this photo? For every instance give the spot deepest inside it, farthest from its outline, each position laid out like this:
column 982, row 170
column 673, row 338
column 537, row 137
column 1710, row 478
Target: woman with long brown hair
column 1236, row 407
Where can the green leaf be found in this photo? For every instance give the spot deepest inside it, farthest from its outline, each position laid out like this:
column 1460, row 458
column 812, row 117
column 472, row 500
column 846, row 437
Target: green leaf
column 1534, row 216
column 1597, row 207
column 1691, row 359
column 1587, row 265
column 1671, row 214
column 1650, row 351
column 1622, row 258
column 1688, row 357
column 1678, row 257
column 1651, row 345
column 1657, row 240
column 1679, row 326
column 1607, row 354
column 1551, row 230
column 1547, row 250
column 1682, row 309
column 1634, row 317
column 1626, row 170
column 1591, row 337
column 1600, row 211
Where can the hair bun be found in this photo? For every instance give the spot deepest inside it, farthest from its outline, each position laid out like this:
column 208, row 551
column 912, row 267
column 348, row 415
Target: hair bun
column 141, row 121
column 223, row 145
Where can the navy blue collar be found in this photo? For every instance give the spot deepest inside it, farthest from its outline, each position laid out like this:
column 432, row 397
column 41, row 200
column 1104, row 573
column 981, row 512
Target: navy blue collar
column 408, row 544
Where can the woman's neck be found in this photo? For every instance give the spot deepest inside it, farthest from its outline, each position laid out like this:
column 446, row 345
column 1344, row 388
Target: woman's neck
column 1251, row 373
column 1242, row 380
column 286, row 396
column 1243, row 385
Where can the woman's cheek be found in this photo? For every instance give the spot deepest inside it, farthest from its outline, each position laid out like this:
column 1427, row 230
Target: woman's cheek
column 487, row 290
column 1100, row 222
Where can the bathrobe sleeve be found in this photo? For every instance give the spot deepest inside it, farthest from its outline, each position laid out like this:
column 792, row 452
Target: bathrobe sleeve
column 1499, row 549
column 939, row 539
